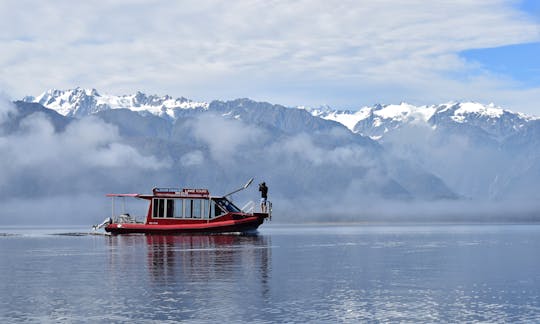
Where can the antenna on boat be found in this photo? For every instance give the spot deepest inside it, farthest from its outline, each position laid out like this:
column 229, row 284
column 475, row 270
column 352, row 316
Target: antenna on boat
column 239, row 189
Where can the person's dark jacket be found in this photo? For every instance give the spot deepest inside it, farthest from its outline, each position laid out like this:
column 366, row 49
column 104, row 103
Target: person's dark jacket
column 264, row 190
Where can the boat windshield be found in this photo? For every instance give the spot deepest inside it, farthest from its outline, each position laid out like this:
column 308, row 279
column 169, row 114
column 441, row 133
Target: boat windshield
column 227, row 205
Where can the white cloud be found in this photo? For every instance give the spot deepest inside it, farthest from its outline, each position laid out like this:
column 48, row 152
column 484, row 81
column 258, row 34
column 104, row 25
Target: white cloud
column 303, row 147
column 6, row 109
column 85, row 143
column 192, row 158
column 303, row 52
column 89, row 154
column 224, row 137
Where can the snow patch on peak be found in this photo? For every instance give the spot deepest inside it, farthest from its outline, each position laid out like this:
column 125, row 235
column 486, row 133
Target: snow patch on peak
column 347, row 118
column 66, row 102
column 489, row 111
column 80, row 102
column 397, row 112
column 378, row 120
column 405, row 111
column 378, row 115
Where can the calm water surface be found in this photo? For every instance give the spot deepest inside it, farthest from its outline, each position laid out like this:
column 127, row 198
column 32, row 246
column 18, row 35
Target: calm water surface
column 443, row 273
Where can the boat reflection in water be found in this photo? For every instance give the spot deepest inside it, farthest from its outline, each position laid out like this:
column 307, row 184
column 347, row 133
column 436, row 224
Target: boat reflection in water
column 206, row 257
column 183, row 273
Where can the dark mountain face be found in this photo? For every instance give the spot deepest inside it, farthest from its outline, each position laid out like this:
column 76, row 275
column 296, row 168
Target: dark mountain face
column 289, row 121
column 132, row 124
column 25, row 109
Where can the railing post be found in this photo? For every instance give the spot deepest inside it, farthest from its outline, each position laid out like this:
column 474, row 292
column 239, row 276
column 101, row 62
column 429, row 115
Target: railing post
column 112, row 211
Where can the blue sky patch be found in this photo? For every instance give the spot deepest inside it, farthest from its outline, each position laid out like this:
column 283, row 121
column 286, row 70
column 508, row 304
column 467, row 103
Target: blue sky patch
column 520, row 62
column 531, row 7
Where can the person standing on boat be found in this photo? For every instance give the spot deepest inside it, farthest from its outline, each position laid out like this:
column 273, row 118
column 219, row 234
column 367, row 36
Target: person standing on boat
column 264, row 195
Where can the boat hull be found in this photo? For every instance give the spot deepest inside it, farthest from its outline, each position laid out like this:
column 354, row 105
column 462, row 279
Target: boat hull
column 248, row 224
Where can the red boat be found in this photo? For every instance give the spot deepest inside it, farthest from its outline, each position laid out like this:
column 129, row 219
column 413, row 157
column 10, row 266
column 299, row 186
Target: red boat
column 175, row 211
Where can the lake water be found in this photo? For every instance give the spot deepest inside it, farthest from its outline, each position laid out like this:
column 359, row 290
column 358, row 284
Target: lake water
column 315, row 273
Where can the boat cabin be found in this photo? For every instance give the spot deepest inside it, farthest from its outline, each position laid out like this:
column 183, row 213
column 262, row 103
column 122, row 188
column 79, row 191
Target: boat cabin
column 187, row 204
column 176, row 211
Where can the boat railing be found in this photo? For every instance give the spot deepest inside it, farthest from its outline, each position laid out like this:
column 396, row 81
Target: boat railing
column 249, row 207
column 126, row 218
column 269, row 209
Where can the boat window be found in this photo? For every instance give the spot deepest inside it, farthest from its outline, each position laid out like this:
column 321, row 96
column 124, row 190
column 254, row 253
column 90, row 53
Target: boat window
column 187, row 208
column 163, row 208
column 170, row 208
column 159, row 208
column 197, row 208
column 178, row 210
column 205, row 209
column 184, row 208
column 225, row 204
column 216, row 210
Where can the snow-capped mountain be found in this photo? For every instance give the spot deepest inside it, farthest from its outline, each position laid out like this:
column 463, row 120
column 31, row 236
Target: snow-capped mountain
column 80, row 102
column 398, row 151
column 298, row 152
column 375, row 122
column 379, row 120
column 479, row 150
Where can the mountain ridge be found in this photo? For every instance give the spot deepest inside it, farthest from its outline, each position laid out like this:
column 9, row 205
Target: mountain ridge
column 80, row 102
column 478, row 151
column 378, row 120
column 298, row 153
column 372, row 121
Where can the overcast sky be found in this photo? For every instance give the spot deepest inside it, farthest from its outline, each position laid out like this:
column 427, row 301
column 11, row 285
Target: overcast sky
column 342, row 53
